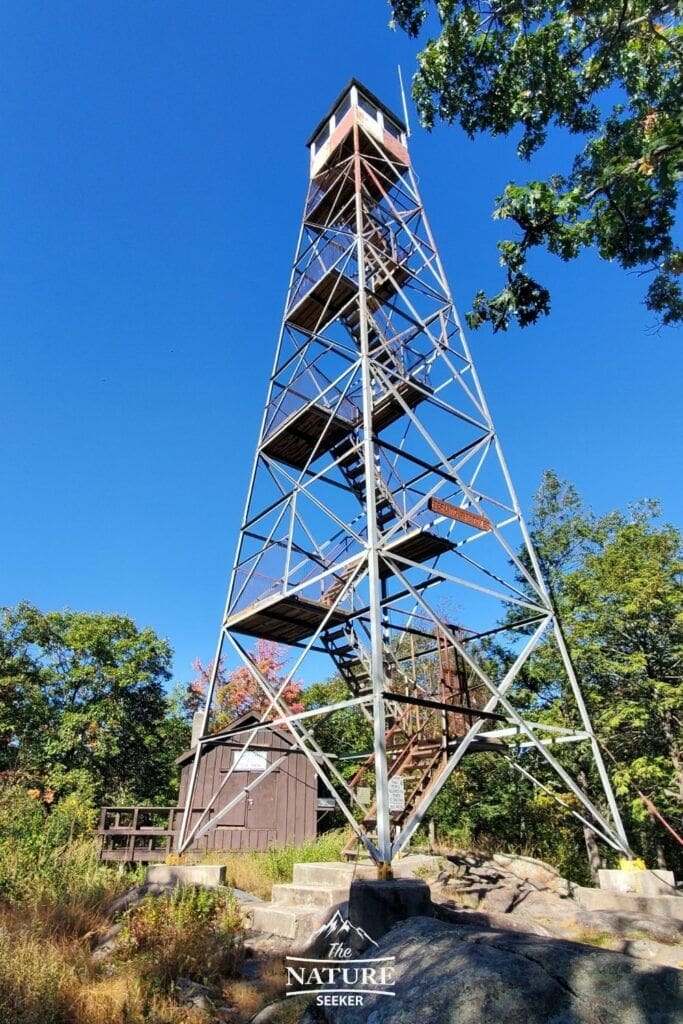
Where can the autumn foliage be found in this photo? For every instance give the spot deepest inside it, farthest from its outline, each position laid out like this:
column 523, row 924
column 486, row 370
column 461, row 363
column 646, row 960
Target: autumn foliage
column 239, row 691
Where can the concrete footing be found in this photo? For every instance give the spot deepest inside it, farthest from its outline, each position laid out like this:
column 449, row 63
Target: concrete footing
column 669, row 907
column 375, row 907
column 208, row 875
column 318, row 890
column 295, row 923
column 638, row 883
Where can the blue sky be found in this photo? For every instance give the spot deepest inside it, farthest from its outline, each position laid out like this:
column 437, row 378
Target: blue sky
column 151, row 184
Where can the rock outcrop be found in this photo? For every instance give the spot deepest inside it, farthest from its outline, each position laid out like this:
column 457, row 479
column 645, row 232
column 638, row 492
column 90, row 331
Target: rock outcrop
column 452, row 974
column 519, row 893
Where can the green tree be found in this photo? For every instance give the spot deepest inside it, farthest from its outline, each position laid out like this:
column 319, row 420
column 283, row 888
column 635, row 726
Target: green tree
column 83, row 705
column 617, row 582
column 344, row 733
column 606, row 71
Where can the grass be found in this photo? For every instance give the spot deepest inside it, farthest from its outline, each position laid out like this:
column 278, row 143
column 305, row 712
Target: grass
column 257, row 871
column 191, row 933
column 54, row 900
column 58, row 907
column 50, row 979
column 593, row 937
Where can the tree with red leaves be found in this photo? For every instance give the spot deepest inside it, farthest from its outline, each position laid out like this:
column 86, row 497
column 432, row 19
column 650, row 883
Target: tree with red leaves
column 238, row 691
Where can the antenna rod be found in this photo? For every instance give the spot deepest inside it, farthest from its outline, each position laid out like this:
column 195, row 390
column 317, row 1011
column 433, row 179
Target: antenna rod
column 403, row 101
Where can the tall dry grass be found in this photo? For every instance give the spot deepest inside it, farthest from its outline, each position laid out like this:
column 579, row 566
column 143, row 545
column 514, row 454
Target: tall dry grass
column 52, row 980
column 256, row 871
column 192, row 933
column 54, row 899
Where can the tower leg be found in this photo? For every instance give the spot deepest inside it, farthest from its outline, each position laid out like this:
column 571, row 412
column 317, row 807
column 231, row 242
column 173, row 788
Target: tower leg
column 375, row 596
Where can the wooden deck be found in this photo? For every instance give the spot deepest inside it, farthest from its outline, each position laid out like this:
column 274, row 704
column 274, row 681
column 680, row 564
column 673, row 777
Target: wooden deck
column 322, row 301
column 294, row 440
column 388, row 409
column 417, row 546
column 331, row 201
column 284, row 618
column 331, row 197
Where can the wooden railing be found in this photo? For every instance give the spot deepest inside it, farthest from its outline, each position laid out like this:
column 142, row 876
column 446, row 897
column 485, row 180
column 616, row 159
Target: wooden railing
column 131, row 834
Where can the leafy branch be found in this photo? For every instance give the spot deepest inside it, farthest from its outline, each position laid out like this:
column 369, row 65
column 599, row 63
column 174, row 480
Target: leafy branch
column 608, row 72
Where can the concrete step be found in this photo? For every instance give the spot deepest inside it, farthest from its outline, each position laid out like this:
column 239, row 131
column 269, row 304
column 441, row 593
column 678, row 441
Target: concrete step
column 288, row 922
column 670, row 907
column 309, row 895
column 332, row 874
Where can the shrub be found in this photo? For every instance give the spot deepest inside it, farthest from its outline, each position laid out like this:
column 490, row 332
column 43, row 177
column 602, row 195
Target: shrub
column 193, row 933
column 49, row 859
column 279, row 861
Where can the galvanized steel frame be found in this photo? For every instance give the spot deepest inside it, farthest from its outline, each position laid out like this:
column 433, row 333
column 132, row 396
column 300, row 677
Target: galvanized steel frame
column 439, row 330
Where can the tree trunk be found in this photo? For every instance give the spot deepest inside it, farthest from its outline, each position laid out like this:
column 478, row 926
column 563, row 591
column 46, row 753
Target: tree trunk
column 659, row 849
column 593, row 851
column 592, row 848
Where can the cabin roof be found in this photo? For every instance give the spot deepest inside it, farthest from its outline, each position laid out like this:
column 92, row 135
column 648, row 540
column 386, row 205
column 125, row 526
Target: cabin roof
column 235, row 726
column 366, row 92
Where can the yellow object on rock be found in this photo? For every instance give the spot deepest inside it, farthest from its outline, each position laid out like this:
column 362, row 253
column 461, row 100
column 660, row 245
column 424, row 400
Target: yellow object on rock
column 632, row 865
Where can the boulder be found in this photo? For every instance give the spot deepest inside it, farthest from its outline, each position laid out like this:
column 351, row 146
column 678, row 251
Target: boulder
column 273, row 1013
column 565, row 918
column 106, row 944
column 137, row 895
column 546, row 906
column 480, row 919
column 486, row 874
column 194, row 995
column 528, row 870
column 503, row 898
column 447, row 974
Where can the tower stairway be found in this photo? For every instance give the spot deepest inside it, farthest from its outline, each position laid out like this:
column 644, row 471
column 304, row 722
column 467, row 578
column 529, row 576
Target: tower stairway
column 343, row 647
column 352, row 467
column 420, row 740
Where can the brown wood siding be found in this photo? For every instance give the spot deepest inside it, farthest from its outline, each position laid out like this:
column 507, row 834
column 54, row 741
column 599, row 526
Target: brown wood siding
column 282, row 807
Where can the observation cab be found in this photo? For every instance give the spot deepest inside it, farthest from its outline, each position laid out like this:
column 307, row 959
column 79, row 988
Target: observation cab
column 332, row 142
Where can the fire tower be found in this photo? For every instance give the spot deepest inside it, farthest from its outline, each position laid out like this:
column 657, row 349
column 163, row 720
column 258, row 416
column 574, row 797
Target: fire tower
column 381, row 526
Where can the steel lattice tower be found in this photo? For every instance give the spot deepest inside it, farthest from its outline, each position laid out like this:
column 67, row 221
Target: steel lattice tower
column 381, row 516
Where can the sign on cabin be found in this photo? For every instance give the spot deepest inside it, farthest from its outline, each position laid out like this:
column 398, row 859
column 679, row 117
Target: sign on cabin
column 250, row 761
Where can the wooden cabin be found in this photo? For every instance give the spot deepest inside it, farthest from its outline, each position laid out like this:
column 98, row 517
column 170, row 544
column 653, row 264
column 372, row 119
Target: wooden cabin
column 281, row 808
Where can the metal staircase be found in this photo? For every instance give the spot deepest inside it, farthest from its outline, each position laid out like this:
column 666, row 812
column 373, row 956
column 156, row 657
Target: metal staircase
column 352, row 467
column 343, row 647
column 417, row 745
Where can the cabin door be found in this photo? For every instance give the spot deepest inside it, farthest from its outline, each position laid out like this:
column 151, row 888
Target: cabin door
column 262, row 803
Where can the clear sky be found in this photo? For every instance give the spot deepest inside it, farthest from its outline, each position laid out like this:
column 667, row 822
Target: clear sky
column 152, row 178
